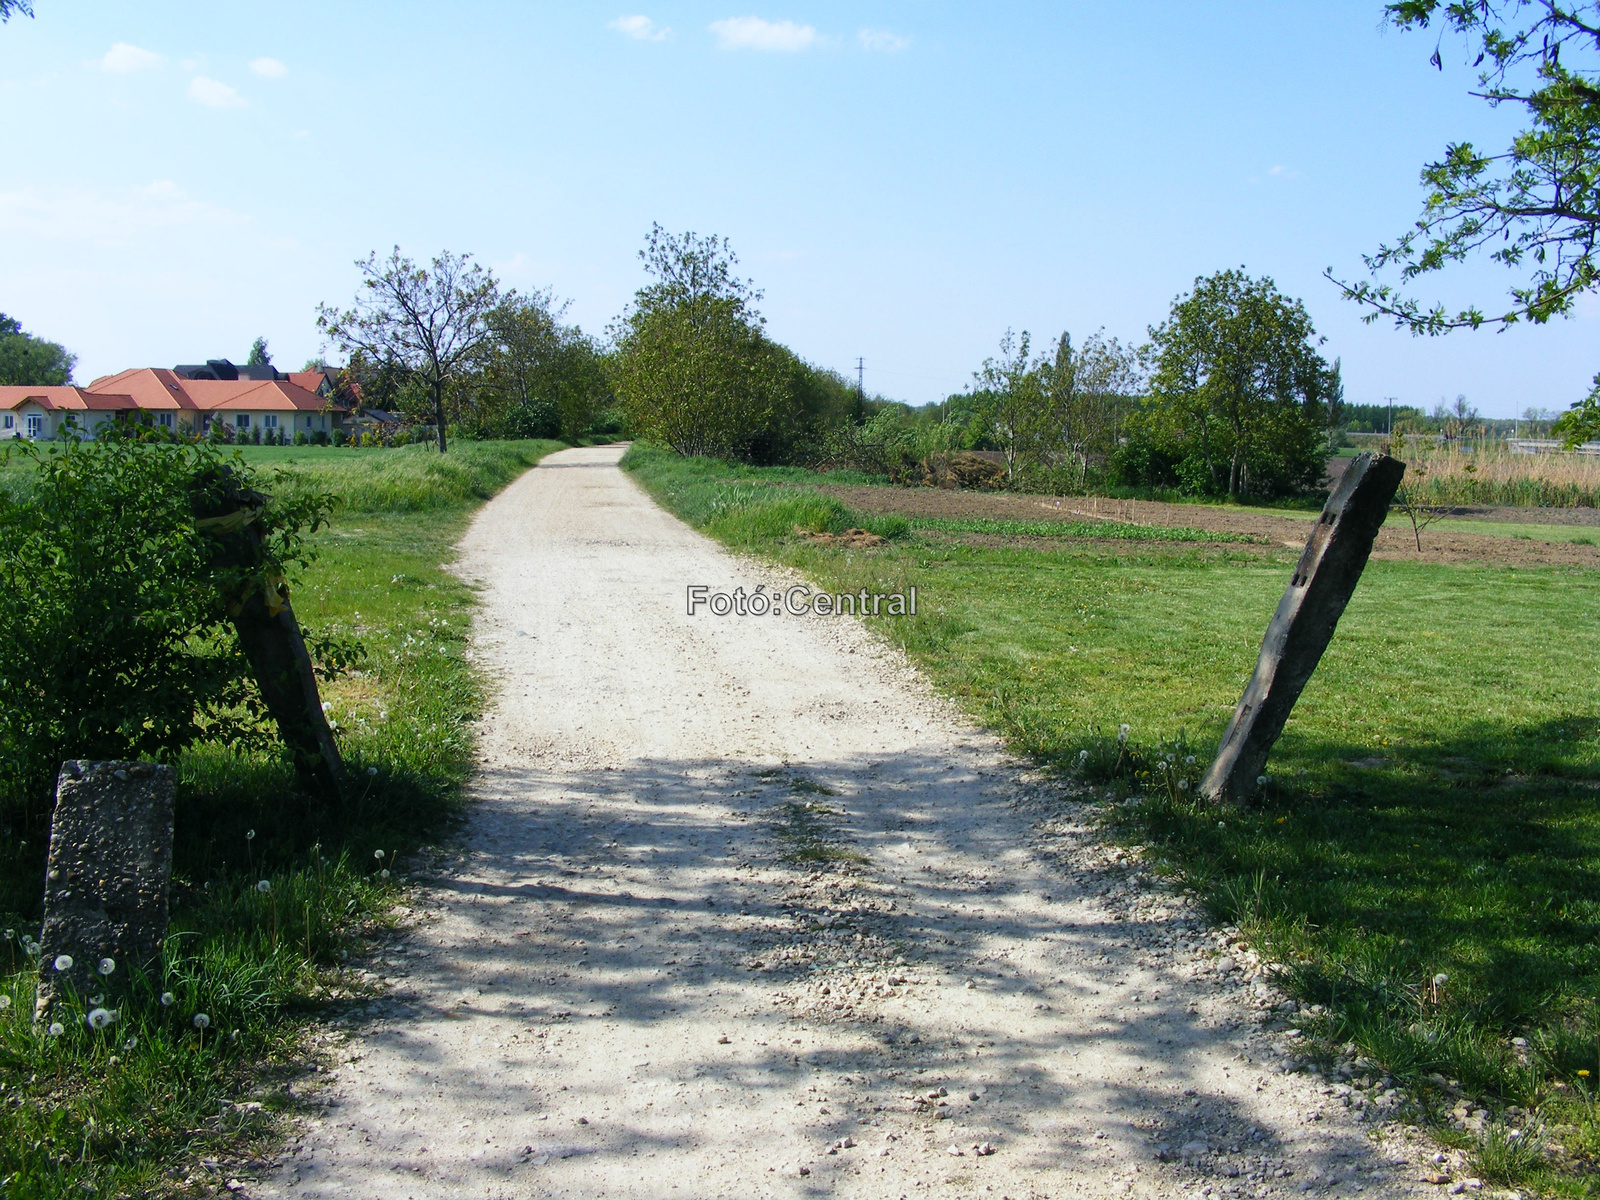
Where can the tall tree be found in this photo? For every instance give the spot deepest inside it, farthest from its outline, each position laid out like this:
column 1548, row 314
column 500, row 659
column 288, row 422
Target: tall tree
column 31, row 361
column 692, row 365
column 259, row 357
column 1023, row 415
column 1533, row 207
column 1239, row 390
column 432, row 324
column 537, row 361
column 1090, row 389
column 7, row 7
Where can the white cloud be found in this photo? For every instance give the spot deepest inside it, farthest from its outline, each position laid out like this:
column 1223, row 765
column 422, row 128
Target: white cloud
column 123, row 59
column 118, row 217
column 269, row 68
column 640, row 28
column 214, row 94
column 882, row 40
column 752, row 33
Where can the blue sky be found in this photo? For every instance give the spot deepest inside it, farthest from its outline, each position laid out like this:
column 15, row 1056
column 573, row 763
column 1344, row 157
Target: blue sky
column 904, row 180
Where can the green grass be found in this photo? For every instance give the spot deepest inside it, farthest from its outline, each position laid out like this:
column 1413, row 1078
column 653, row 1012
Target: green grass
column 1434, row 804
column 87, row 1114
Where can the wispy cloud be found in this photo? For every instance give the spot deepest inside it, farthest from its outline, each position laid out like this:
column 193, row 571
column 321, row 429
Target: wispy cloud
column 882, row 41
column 125, row 216
column 639, row 27
column 269, row 68
column 213, row 94
column 753, row 33
column 123, row 59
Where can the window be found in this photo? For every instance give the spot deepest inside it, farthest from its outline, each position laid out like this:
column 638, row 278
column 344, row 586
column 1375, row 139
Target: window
column 242, row 421
column 270, row 421
column 10, row 420
column 35, row 425
column 164, row 420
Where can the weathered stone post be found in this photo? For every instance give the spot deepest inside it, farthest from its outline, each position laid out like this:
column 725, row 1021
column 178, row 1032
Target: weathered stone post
column 1326, row 575
column 105, row 889
column 258, row 604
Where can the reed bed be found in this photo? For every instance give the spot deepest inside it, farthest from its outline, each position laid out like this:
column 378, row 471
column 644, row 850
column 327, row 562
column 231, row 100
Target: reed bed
column 1490, row 473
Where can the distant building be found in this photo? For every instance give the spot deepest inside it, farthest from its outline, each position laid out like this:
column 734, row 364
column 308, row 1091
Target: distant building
column 195, row 403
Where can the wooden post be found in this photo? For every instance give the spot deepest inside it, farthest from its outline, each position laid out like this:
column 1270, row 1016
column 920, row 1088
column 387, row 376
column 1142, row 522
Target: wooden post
column 258, row 603
column 105, row 889
column 1326, row 575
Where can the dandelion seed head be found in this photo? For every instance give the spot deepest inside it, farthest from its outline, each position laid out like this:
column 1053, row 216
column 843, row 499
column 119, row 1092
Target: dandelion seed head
column 383, row 874
column 130, row 1043
column 249, row 835
column 97, row 999
column 1261, row 781
column 327, row 707
column 56, row 1029
column 63, row 962
column 100, row 1018
column 1440, row 979
column 167, row 999
column 372, row 771
column 5, row 1003
column 377, row 854
column 107, row 965
column 1189, row 760
column 201, row 1021
column 264, row 886
column 1183, row 785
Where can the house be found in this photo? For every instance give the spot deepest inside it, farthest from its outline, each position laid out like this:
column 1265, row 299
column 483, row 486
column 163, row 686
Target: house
column 273, row 406
column 39, row 413
column 221, row 368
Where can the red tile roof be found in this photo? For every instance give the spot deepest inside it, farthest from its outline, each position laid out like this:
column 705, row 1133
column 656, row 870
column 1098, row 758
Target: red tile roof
column 64, row 399
column 156, row 389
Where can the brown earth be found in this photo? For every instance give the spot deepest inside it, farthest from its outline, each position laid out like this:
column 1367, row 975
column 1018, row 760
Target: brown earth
column 1288, row 531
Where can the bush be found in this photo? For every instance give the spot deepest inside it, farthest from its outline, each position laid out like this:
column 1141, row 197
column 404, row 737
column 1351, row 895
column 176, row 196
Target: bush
column 112, row 611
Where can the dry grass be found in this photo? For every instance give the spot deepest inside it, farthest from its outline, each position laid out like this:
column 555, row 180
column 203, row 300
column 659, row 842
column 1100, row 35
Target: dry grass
column 1489, row 473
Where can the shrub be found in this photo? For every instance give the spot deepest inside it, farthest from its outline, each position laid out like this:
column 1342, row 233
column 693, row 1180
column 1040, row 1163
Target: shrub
column 112, row 611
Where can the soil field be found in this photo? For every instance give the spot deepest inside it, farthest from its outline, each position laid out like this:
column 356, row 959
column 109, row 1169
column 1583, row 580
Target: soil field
column 1395, row 541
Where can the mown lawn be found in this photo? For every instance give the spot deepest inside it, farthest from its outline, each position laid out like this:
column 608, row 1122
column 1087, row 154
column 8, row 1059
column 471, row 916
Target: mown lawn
column 130, row 1110
column 1433, row 807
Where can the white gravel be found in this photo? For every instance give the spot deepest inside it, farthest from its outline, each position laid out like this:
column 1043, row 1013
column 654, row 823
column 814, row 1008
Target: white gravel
column 626, row 987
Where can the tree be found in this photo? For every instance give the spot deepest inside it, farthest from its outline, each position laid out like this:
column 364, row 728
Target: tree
column 547, row 376
column 1238, row 394
column 432, row 325
column 7, row 7
column 258, row 354
column 1022, row 412
column 1089, row 389
column 1533, row 207
column 692, row 365
column 31, row 361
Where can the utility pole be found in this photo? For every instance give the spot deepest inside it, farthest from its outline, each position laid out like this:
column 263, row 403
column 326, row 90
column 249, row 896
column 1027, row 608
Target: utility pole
column 861, row 391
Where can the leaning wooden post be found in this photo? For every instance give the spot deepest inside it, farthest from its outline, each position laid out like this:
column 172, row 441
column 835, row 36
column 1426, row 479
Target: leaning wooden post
column 257, row 599
column 1326, row 575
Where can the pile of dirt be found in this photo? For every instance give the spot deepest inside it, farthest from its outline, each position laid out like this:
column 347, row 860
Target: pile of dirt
column 851, row 538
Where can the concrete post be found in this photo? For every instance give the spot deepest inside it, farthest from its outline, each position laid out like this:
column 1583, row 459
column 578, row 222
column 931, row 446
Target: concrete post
column 105, row 889
column 1326, row 575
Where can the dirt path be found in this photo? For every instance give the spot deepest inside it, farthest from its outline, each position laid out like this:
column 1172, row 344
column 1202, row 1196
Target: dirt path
column 738, row 890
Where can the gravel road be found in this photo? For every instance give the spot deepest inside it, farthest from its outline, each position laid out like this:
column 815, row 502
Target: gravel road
column 743, row 909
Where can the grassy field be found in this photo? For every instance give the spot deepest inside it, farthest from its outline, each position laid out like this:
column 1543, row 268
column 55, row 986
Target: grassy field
column 131, row 1109
column 1432, row 808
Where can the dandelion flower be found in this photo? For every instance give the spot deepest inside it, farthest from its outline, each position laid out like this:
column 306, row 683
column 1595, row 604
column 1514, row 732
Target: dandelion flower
column 107, row 965
column 5, row 1003
column 63, row 962
column 1440, row 979
column 100, row 1018
column 201, row 1021
column 264, row 886
column 167, row 999
column 56, row 1029
column 1583, row 1073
